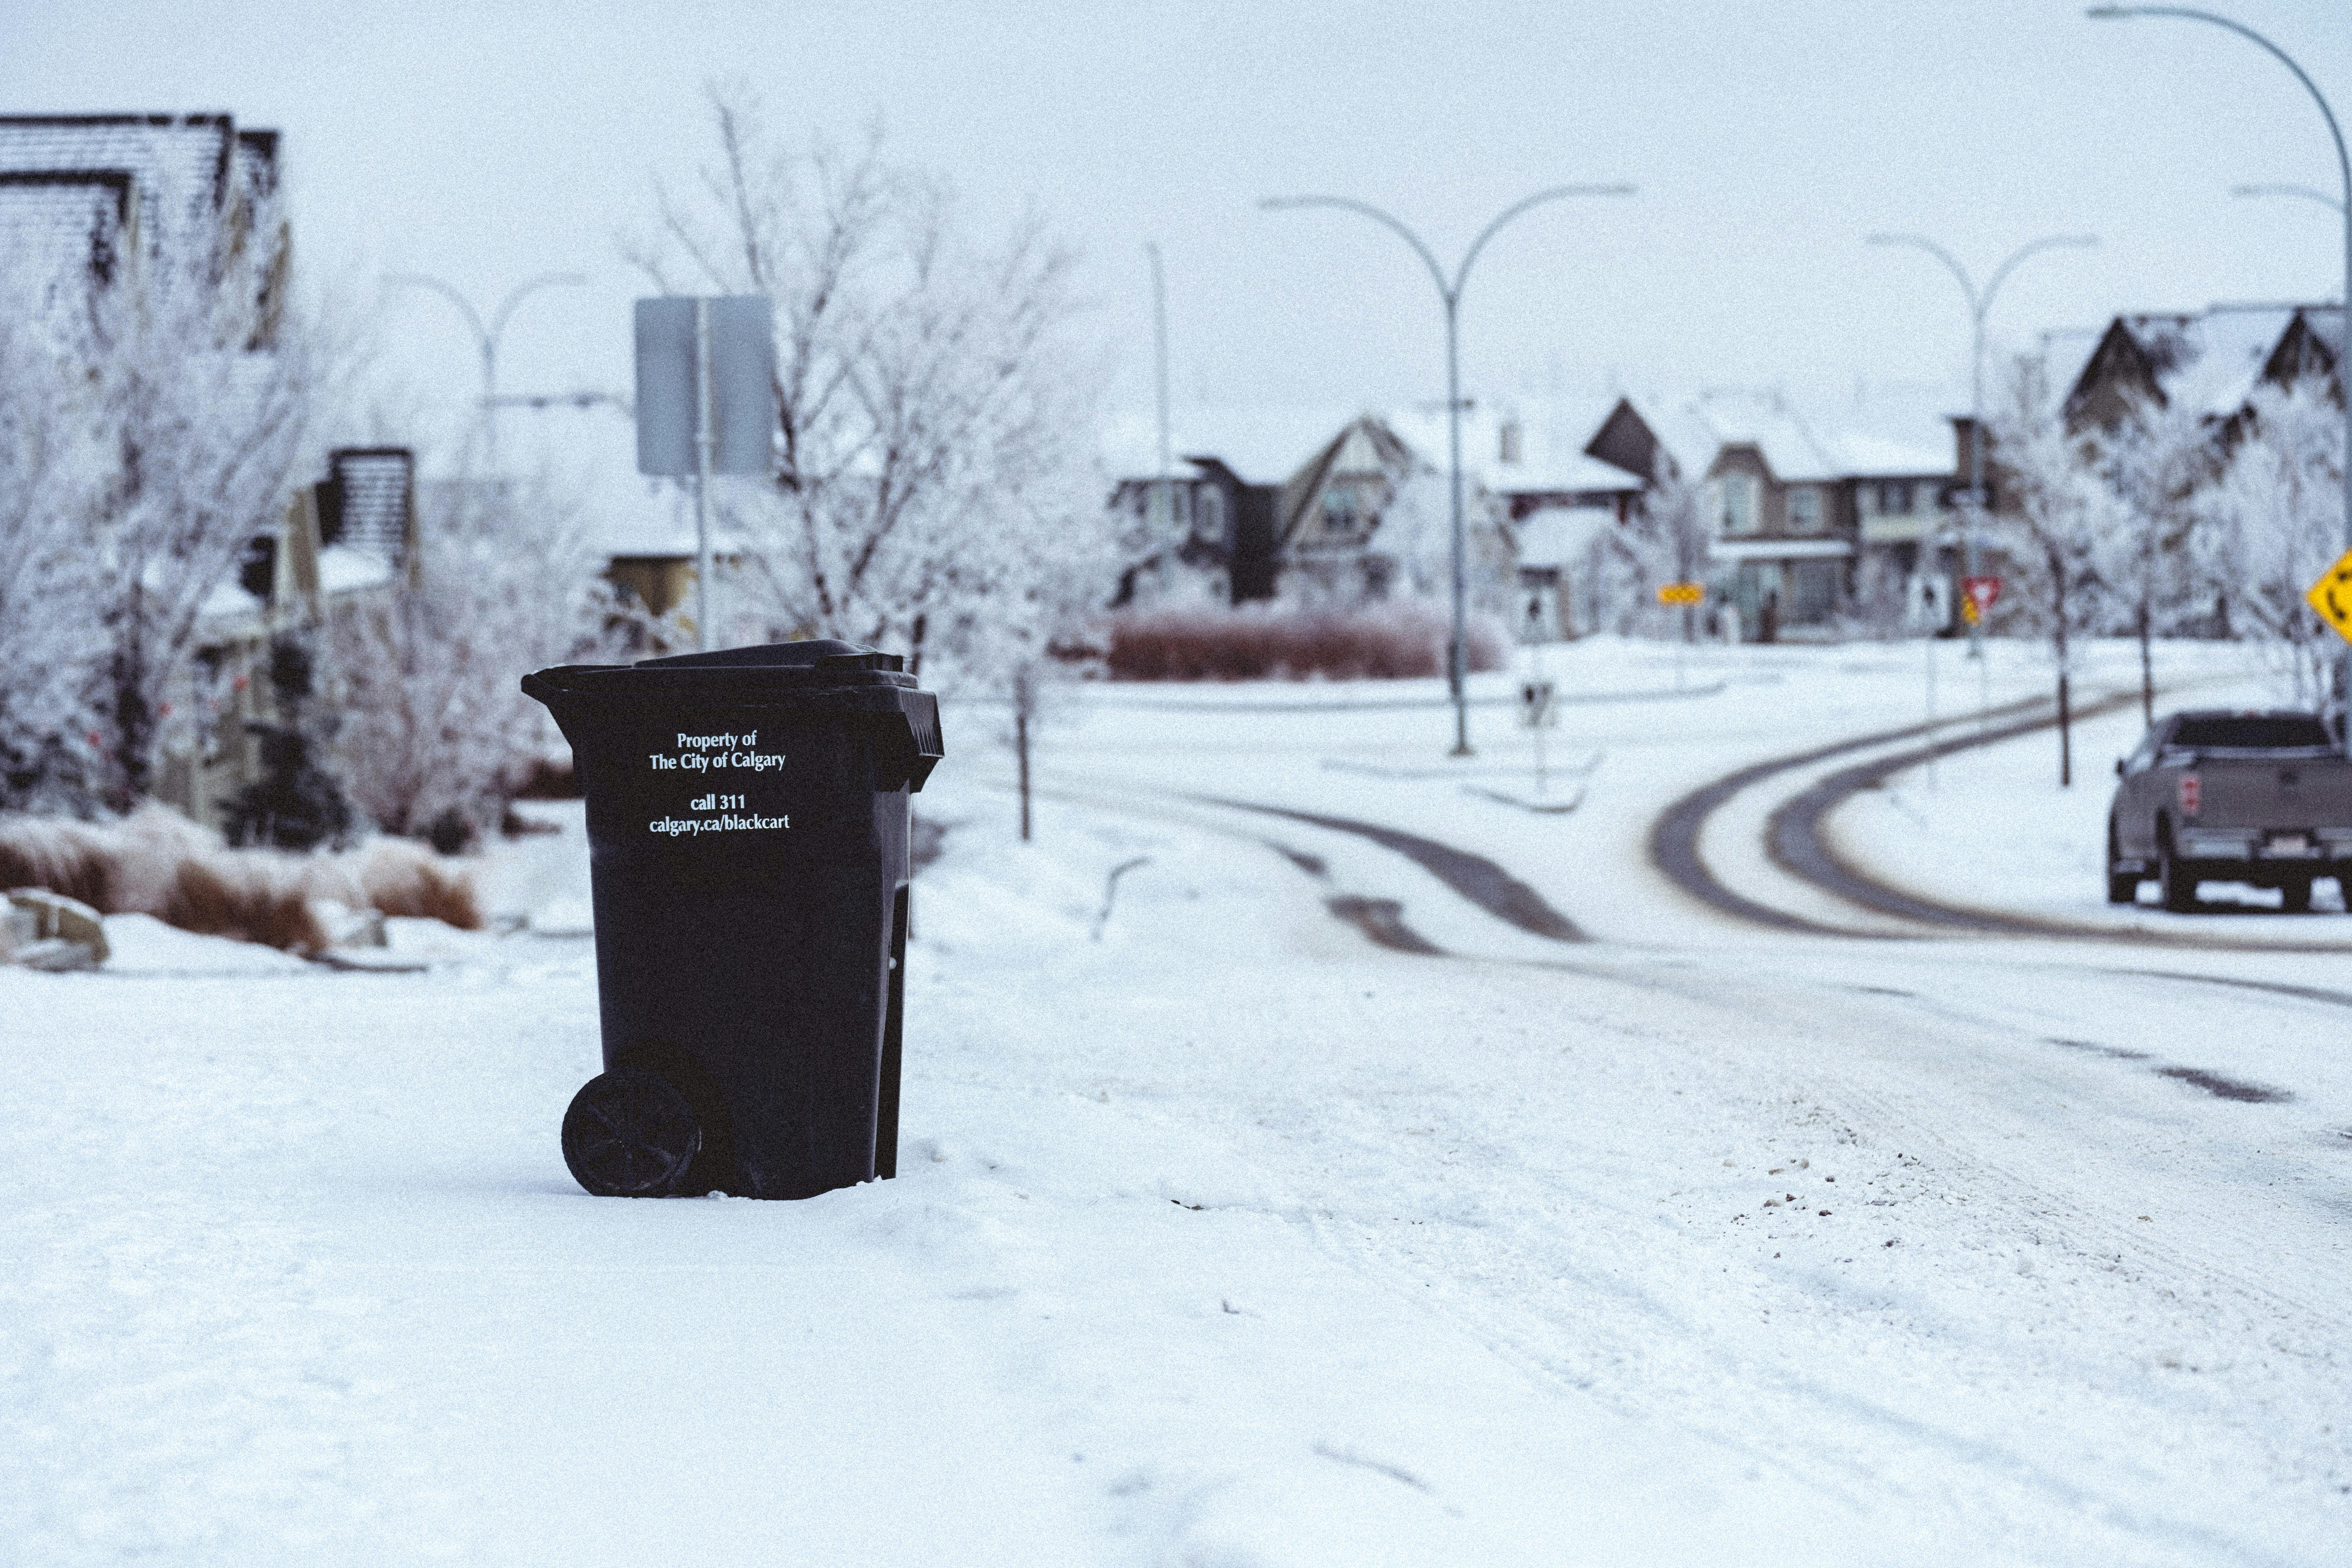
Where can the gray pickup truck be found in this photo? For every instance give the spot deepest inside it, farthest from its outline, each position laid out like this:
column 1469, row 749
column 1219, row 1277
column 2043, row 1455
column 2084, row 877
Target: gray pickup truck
column 2214, row 796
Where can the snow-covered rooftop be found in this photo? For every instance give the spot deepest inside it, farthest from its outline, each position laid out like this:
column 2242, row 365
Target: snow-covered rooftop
column 1766, row 421
column 1269, row 443
column 67, row 180
column 2212, row 362
column 1547, row 437
column 1265, row 443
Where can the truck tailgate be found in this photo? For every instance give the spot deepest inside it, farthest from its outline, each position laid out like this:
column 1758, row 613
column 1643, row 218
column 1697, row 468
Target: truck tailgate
column 2299, row 792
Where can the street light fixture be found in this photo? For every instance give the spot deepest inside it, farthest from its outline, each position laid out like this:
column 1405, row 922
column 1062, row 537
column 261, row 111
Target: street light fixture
column 1980, row 306
column 486, row 339
column 1456, row 661
column 2343, row 167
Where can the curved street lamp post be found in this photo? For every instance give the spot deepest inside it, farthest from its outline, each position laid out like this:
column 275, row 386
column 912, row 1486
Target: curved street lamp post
column 487, row 338
column 2343, row 167
column 1979, row 306
column 1450, row 293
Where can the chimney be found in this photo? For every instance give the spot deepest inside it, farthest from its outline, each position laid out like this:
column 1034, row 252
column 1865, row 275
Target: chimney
column 1510, row 441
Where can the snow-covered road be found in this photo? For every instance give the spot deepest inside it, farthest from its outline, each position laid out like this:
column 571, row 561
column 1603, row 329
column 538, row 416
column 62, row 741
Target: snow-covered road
column 1225, row 1236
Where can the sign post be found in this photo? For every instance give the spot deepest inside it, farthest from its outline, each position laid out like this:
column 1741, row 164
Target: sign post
column 705, row 404
column 1979, row 594
column 1927, row 609
column 1538, row 711
column 1686, row 595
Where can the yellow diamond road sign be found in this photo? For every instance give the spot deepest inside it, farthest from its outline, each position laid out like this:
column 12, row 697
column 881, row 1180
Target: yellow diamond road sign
column 2332, row 596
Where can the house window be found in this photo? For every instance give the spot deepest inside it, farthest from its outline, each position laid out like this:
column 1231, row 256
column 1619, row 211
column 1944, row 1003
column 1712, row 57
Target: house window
column 1209, row 515
column 1739, row 503
column 1804, row 509
column 1338, row 511
column 1894, row 497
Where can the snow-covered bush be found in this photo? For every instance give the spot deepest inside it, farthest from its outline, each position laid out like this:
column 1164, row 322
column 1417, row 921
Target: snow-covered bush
column 933, row 490
column 435, row 735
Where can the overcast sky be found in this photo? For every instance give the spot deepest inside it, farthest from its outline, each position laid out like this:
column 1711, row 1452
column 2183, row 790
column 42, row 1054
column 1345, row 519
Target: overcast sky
column 488, row 143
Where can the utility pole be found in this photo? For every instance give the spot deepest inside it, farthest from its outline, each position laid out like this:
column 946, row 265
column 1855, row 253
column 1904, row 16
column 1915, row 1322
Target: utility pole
column 1162, row 499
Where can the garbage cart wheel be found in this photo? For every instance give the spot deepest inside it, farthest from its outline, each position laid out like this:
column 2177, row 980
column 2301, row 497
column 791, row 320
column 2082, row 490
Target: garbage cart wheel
column 630, row 1133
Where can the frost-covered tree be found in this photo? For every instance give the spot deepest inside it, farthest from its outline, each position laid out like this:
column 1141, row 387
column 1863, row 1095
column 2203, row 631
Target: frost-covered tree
column 2058, row 522
column 932, row 485
column 2158, row 462
column 52, row 472
column 1416, row 536
column 2272, row 524
column 1670, row 531
column 433, row 734
column 172, row 399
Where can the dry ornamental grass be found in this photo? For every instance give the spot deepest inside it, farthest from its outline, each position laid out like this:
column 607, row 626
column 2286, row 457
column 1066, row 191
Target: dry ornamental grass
column 157, row 862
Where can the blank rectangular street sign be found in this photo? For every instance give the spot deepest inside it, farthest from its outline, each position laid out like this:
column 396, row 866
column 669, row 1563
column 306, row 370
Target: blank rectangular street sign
column 743, row 385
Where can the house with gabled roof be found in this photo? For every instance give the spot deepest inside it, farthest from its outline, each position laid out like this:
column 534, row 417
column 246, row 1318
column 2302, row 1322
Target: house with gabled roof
column 1805, row 509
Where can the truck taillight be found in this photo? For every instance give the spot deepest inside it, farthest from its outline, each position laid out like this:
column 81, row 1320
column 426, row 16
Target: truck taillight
column 2190, row 792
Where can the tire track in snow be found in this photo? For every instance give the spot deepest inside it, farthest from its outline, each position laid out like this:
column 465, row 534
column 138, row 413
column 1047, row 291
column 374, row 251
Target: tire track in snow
column 1675, row 835
column 1795, row 840
column 1474, row 877
column 1381, row 921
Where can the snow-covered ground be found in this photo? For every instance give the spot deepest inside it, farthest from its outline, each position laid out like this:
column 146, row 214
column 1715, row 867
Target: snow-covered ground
column 1225, row 1236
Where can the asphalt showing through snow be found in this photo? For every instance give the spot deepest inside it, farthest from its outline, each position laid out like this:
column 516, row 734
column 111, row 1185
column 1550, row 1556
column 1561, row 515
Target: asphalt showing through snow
column 1474, row 877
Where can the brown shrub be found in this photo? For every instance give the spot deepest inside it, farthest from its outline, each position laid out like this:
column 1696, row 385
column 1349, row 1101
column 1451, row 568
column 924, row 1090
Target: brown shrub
column 66, row 857
column 402, row 878
column 1377, row 642
column 225, row 897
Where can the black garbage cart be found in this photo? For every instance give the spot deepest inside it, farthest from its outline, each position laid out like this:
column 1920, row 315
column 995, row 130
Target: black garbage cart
column 747, row 839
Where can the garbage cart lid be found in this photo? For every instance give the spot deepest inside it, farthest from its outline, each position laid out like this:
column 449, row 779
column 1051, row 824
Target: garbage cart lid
column 795, row 667
column 811, row 653
column 818, row 676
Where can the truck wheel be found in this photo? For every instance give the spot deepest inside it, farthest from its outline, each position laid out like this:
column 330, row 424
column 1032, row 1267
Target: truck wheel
column 630, row 1133
column 2294, row 896
column 2123, row 886
column 2179, row 879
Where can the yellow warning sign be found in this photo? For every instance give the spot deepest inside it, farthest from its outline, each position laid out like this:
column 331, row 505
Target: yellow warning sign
column 1681, row 593
column 2332, row 596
